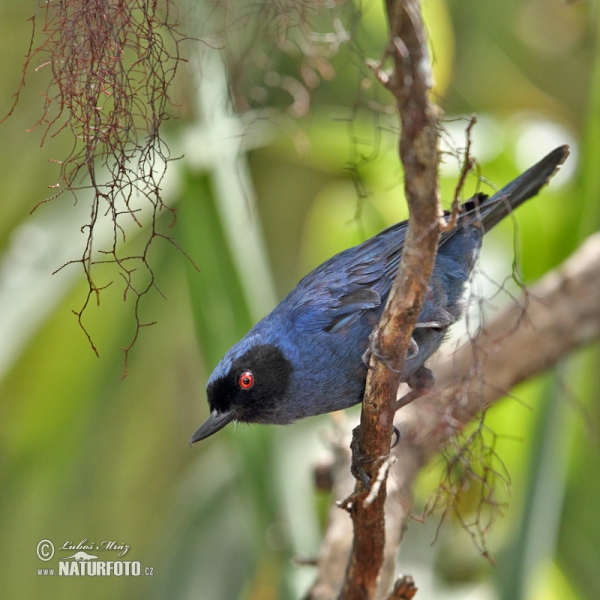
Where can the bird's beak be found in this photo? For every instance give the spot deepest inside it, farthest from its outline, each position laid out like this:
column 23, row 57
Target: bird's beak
column 214, row 423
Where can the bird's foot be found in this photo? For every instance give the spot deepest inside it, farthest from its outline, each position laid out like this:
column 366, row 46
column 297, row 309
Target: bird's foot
column 373, row 350
column 358, row 460
column 420, row 382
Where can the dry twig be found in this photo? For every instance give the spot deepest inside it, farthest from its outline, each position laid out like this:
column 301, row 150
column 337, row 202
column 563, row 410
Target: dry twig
column 410, row 82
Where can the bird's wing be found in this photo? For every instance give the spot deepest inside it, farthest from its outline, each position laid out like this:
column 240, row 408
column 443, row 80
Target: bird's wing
column 357, row 281
column 340, row 291
column 349, row 307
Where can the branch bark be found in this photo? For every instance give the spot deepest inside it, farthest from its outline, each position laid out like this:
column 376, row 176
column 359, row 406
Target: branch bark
column 563, row 315
column 410, row 83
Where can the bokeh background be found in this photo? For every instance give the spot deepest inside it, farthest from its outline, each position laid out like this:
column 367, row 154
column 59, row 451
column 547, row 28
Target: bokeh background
column 266, row 190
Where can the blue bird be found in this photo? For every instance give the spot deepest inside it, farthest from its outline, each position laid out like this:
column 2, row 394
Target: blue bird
column 307, row 356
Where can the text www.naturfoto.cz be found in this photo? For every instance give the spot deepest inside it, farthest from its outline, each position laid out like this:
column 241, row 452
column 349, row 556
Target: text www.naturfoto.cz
column 95, row 568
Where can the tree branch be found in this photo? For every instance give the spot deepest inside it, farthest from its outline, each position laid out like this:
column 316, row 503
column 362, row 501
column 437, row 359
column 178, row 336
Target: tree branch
column 563, row 315
column 410, row 82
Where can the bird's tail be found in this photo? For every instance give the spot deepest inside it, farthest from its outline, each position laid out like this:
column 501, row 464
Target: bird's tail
column 490, row 211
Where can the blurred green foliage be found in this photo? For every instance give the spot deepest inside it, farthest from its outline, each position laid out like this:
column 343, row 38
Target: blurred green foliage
column 86, row 455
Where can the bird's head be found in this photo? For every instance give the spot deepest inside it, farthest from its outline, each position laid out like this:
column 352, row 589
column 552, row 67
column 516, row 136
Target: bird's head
column 249, row 385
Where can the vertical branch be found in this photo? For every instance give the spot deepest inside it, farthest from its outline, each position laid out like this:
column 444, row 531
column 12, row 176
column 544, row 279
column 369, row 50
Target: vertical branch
column 410, row 82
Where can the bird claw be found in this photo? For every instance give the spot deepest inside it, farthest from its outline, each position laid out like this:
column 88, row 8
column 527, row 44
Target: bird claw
column 396, row 432
column 413, row 349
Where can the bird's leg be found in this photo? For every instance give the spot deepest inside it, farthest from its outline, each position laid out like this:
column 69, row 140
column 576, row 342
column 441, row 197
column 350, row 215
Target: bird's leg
column 420, row 382
column 366, row 356
column 371, row 348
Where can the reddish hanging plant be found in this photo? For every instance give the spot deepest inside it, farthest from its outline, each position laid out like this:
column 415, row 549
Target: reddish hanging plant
column 111, row 64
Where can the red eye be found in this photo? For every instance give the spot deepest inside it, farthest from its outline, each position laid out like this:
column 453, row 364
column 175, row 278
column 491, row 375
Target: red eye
column 246, row 380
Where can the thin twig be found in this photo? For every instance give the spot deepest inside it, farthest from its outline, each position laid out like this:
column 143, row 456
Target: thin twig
column 467, row 167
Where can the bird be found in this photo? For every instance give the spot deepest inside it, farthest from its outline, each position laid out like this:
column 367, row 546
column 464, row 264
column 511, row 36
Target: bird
column 307, row 357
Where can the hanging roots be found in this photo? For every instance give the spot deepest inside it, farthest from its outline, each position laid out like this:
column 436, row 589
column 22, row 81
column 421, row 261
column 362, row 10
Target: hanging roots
column 111, row 63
